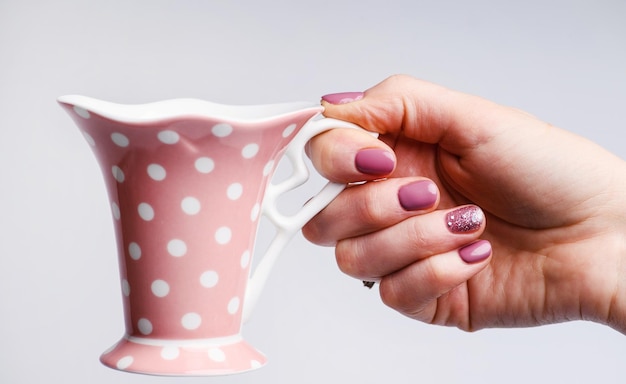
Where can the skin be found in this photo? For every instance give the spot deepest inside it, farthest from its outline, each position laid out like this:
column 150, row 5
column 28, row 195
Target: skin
column 554, row 205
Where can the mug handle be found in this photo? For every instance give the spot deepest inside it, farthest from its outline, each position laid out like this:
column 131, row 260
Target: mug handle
column 288, row 226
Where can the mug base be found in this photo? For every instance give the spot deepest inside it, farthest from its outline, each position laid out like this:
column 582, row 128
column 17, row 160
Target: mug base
column 183, row 358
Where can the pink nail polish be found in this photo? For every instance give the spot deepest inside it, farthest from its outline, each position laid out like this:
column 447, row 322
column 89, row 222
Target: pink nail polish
column 374, row 161
column 342, row 98
column 475, row 252
column 418, row 195
column 465, row 219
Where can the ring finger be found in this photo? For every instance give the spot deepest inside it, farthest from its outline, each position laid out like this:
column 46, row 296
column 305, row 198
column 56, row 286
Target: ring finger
column 380, row 253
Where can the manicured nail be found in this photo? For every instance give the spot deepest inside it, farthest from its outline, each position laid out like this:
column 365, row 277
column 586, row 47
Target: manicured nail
column 465, row 219
column 374, row 161
column 342, row 98
column 418, row 195
column 475, row 252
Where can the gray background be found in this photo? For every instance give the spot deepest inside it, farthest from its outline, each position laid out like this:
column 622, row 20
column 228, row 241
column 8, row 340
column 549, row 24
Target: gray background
column 60, row 306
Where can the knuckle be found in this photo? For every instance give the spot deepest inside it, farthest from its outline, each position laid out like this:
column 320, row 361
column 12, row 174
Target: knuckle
column 394, row 294
column 369, row 209
column 398, row 79
column 317, row 232
column 433, row 275
column 311, row 232
column 389, row 294
column 411, row 292
column 420, row 237
column 349, row 258
column 323, row 152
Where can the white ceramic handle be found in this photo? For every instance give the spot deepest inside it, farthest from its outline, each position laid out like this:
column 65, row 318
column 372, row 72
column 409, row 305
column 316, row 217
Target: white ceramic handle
column 288, row 226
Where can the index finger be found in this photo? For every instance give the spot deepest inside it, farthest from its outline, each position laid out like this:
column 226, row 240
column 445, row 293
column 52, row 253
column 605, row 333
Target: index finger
column 350, row 155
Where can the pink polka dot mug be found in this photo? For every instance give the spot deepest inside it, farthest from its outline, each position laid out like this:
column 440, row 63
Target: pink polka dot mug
column 187, row 182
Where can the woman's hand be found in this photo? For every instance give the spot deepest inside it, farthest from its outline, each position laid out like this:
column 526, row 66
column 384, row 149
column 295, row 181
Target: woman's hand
column 549, row 244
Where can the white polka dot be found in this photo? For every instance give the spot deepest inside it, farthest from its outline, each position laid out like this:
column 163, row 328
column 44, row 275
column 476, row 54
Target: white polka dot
column 118, row 174
column 289, row 130
column 190, row 205
column 156, row 172
column 250, row 150
column 177, row 248
column 82, row 112
column 115, row 209
column 170, row 353
column 124, row 362
column 223, row 235
column 217, row 355
column 222, row 129
column 204, row 164
column 119, row 139
column 256, row 210
column 255, row 364
column 134, row 250
column 160, row 288
column 125, row 288
column 245, row 259
column 89, row 139
column 191, row 321
column 268, row 168
column 144, row 326
column 209, row 279
column 234, row 191
column 233, row 305
column 146, row 211
column 168, row 137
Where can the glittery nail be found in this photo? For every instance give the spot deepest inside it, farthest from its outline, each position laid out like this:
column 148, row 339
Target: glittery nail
column 465, row 219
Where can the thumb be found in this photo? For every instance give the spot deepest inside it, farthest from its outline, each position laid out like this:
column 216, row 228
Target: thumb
column 422, row 111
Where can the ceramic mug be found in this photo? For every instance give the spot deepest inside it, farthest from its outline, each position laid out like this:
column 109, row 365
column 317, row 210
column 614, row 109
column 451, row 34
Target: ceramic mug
column 187, row 182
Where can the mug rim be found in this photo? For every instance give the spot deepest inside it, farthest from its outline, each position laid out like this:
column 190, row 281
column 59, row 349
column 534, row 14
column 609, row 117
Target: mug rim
column 184, row 107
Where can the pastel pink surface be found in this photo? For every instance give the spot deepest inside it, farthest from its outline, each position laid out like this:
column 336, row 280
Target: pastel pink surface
column 185, row 195
column 183, row 360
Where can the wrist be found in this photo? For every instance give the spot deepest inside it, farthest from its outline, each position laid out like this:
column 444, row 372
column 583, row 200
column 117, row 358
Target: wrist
column 600, row 258
column 616, row 317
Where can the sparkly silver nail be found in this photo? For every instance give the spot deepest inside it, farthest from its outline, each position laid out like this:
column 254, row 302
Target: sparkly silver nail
column 465, row 219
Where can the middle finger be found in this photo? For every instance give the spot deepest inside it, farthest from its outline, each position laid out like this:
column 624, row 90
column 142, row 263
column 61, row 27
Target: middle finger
column 365, row 208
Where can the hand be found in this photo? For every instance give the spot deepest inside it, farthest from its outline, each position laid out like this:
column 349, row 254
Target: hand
column 553, row 219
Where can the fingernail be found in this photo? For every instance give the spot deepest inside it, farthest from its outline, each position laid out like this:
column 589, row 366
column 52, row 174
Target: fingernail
column 465, row 219
column 374, row 161
column 475, row 252
column 418, row 195
column 342, row 98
